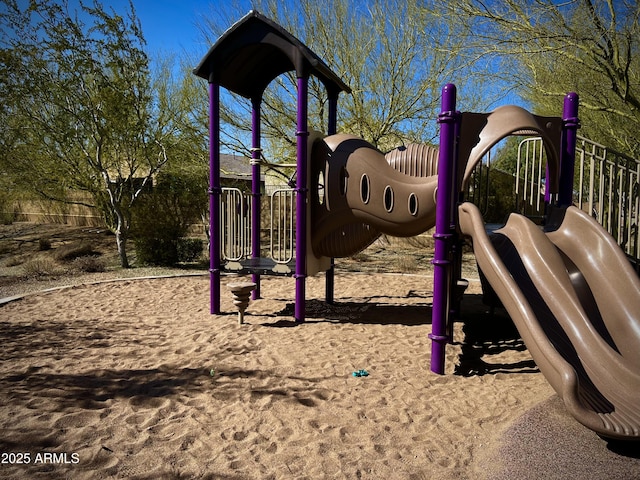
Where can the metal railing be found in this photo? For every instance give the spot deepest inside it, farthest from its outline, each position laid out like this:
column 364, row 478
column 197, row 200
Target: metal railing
column 530, row 172
column 282, row 219
column 235, row 221
column 606, row 185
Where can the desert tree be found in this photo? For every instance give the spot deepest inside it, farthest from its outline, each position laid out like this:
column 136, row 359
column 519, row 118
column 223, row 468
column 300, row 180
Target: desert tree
column 384, row 50
column 84, row 116
column 546, row 48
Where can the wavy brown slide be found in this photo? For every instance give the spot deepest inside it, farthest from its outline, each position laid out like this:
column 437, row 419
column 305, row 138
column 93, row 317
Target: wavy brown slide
column 575, row 300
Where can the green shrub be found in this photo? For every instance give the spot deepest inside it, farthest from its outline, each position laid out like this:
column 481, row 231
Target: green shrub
column 161, row 219
column 156, row 251
column 189, row 249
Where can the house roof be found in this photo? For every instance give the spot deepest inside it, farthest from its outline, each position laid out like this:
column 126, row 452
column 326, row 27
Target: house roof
column 256, row 50
column 236, row 167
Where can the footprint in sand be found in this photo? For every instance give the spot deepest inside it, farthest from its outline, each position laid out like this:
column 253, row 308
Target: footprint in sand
column 145, row 402
column 81, row 419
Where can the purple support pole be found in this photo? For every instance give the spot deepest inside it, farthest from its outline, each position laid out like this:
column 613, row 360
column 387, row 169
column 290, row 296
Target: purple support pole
column 332, row 121
column 547, row 190
column 570, row 124
column 332, row 126
column 443, row 236
column 214, row 196
column 255, row 189
column 301, row 201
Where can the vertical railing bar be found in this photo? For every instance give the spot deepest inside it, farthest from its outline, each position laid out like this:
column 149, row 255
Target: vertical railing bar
column 592, row 180
column 282, row 225
column 612, row 194
column 620, row 175
column 539, row 180
column 536, row 160
column 581, row 178
column 629, row 204
column 291, row 226
column 602, row 188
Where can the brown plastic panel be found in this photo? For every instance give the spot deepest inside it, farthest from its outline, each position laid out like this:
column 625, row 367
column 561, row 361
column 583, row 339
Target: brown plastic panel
column 481, row 131
column 364, row 195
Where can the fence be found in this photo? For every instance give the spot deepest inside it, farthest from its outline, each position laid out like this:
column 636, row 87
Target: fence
column 48, row 211
column 606, row 185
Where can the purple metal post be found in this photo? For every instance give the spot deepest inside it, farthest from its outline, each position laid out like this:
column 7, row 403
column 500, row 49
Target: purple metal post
column 332, row 126
column 547, row 190
column 443, row 236
column 255, row 189
column 214, row 197
column 332, row 121
column 301, row 200
column 570, row 124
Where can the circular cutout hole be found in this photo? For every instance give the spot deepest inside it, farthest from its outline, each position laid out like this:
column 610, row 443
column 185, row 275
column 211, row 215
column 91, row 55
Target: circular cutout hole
column 388, row 198
column 365, row 188
column 413, row 204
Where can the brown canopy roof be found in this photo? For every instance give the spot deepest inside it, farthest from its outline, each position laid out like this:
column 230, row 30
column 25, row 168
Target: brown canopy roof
column 256, row 50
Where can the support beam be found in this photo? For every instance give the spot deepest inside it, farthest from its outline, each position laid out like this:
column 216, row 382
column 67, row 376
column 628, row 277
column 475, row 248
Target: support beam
column 570, row 125
column 214, row 197
column 302, row 194
column 255, row 189
column 331, row 130
column 445, row 204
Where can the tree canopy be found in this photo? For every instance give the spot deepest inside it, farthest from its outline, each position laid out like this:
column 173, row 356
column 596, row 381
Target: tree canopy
column 388, row 60
column 548, row 48
column 82, row 111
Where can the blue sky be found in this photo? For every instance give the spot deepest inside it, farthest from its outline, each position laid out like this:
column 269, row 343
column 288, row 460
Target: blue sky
column 170, row 25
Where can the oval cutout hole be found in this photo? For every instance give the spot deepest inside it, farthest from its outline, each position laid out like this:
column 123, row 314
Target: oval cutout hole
column 320, row 187
column 344, row 178
column 388, row 198
column 413, row 204
column 365, row 190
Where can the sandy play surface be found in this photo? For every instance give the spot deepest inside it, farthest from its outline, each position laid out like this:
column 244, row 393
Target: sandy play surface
column 135, row 379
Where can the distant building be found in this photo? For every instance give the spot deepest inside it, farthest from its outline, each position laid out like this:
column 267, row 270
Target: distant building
column 235, row 171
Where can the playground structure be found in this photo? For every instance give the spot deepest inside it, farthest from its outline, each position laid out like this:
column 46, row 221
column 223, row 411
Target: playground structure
column 569, row 288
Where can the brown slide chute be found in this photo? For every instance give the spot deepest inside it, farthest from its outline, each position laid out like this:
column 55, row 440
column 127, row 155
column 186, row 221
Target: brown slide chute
column 575, row 300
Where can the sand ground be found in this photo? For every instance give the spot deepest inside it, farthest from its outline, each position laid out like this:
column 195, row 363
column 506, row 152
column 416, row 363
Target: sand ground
column 135, row 379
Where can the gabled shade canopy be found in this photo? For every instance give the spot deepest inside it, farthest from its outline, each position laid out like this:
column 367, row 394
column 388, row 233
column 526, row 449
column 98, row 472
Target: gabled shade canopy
column 256, row 50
